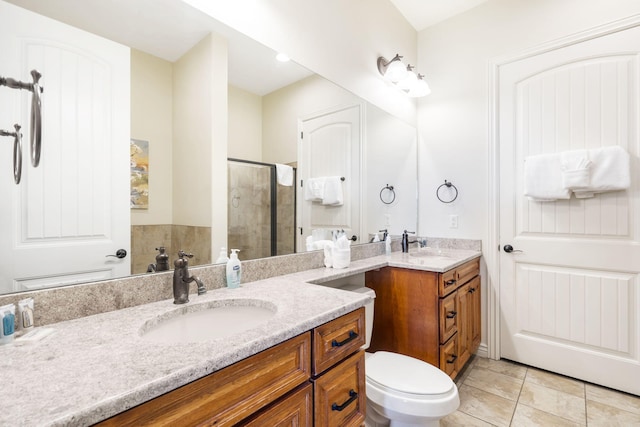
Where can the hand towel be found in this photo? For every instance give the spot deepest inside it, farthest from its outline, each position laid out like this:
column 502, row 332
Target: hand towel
column 332, row 194
column 610, row 171
column 543, row 178
column 575, row 169
column 314, row 189
column 284, row 174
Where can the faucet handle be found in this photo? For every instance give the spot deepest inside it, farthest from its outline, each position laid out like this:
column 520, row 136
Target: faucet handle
column 182, row 254
column 409, row 232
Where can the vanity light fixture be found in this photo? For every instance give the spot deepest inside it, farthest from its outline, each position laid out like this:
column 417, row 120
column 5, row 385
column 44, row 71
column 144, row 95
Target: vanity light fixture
column 394, row 70
column 403, row 76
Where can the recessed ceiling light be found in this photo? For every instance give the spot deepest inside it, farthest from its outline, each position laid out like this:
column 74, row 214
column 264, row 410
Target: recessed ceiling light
column 283, row 57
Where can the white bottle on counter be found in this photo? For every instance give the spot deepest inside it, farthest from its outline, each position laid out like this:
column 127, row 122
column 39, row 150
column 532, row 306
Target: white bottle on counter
column 222, row 258
column 387, row 245
column 234, row 270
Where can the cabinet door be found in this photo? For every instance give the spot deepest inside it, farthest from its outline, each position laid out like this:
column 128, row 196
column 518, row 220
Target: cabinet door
column 465, row 314
column 296, row 410
column 406, row 313
column 339, row 394
column 474, row 310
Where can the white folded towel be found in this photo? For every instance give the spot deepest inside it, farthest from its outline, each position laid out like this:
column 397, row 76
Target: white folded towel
column 314, row 189
column 575, row 169
column 610, row 171
column 333, row 194
column 543, row 178
column 284, row 174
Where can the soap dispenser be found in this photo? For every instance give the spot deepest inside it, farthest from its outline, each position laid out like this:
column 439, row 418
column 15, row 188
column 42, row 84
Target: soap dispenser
column 222, row 257
column 234, row 270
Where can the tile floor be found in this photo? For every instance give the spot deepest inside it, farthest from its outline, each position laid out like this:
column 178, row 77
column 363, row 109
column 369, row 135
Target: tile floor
column 503, row 393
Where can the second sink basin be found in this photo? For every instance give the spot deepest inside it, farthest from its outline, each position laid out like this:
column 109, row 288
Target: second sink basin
column 208, row 321
column 428, row 253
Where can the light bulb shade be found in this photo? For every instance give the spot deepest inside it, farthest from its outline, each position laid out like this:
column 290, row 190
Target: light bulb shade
column 396, row 71
column 408, row 82
column 419, row 88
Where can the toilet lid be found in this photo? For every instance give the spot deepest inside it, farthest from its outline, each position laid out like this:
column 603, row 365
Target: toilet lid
column 406, row 374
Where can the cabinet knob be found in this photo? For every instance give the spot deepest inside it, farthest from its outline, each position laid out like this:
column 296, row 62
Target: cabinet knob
column 453, row 359
column 451, row 314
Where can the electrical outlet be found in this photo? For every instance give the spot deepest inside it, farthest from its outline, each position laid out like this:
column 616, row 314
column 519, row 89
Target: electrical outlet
column 453, row 221
column 387, row 219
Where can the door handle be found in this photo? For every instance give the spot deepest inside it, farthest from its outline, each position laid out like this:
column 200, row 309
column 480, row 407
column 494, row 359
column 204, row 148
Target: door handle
column 354, row 238
column 509, row 249
column 120, row 253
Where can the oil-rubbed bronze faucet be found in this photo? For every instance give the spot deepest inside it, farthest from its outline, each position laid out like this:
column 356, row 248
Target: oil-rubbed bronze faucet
column 181, row 279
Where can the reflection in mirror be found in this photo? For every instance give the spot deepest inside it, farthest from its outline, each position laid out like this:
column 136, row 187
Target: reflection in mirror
column 162, row 109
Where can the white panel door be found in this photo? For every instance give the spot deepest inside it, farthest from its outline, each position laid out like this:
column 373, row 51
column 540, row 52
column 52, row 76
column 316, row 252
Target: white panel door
column 570, row 292
column 70, row 212
column 329, row 145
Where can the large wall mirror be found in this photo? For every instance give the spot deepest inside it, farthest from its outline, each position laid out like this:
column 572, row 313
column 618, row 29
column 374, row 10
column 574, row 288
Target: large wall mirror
column 276, row 113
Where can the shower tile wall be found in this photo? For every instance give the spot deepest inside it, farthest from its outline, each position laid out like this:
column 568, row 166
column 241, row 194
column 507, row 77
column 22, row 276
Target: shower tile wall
column 249, row 206
column 146, row 238
column 286, row 219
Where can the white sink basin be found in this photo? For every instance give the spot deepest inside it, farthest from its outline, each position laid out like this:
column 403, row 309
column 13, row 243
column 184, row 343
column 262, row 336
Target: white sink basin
column 208, row 321
column 429, row 253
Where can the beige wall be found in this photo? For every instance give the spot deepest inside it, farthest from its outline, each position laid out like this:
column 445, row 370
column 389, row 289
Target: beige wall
column 245, row 125
column 151, row 120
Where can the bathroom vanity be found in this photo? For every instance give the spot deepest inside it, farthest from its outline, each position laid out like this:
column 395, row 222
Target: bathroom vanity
column 315, row 378
column 432, row 316
column 104, row 369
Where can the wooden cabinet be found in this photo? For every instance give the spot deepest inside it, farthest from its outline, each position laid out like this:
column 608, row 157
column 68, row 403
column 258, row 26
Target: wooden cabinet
column 434, row 317
column 314, row 379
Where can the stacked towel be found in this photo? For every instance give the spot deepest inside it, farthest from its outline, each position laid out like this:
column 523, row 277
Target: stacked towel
column 610, row 171
column 575, row 169
column 543, row 178
column 549, row 177
column 326, row 190
column 284, row 174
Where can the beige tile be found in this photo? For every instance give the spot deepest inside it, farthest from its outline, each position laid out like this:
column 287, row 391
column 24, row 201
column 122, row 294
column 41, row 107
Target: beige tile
column 527, row 416
column 503, row 367
column 556, row 382
column 494, row 382
column 486, row 406
column 624, row 401
column 460, row 419
column 553, row 401
column 599, row 414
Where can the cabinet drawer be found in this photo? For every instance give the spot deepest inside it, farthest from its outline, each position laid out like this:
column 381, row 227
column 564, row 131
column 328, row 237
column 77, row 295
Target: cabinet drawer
column 230, row 395
column 296, row 410
column 337, row 339
column 447, row 282
column 448, row 317
column 468, row 271
column 339, row 394
column 448, row 356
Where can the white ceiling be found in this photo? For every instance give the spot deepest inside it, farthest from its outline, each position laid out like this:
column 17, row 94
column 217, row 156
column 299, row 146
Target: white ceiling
column 424, row 13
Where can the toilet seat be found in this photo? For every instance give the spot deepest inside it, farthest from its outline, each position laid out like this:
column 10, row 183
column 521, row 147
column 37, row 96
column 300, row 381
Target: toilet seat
column 404, row 375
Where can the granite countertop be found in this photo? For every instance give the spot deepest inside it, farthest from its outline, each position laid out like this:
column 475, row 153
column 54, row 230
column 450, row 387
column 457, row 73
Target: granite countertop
column 94, row 367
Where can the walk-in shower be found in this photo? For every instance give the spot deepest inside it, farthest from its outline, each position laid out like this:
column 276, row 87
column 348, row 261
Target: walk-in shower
column 261, row 212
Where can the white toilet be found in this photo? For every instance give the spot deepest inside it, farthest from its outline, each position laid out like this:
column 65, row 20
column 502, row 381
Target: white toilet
column 403, row 391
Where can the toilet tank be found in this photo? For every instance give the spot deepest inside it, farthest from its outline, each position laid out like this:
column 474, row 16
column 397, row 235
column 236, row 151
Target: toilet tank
column 368, row 309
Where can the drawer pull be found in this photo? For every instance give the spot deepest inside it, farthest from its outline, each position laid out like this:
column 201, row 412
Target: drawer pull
column 352, row 396
column 453, row 358
column 451, row 314
column 352, row 336
column 450, row 282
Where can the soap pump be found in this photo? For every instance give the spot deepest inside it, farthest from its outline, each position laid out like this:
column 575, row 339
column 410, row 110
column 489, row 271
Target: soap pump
column 222, row 257
column 234, row 270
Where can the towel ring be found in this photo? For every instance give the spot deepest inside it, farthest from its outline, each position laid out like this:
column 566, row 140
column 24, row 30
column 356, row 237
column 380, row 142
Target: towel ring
column 391, row 197
column 17, row 152
column 448, row 185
